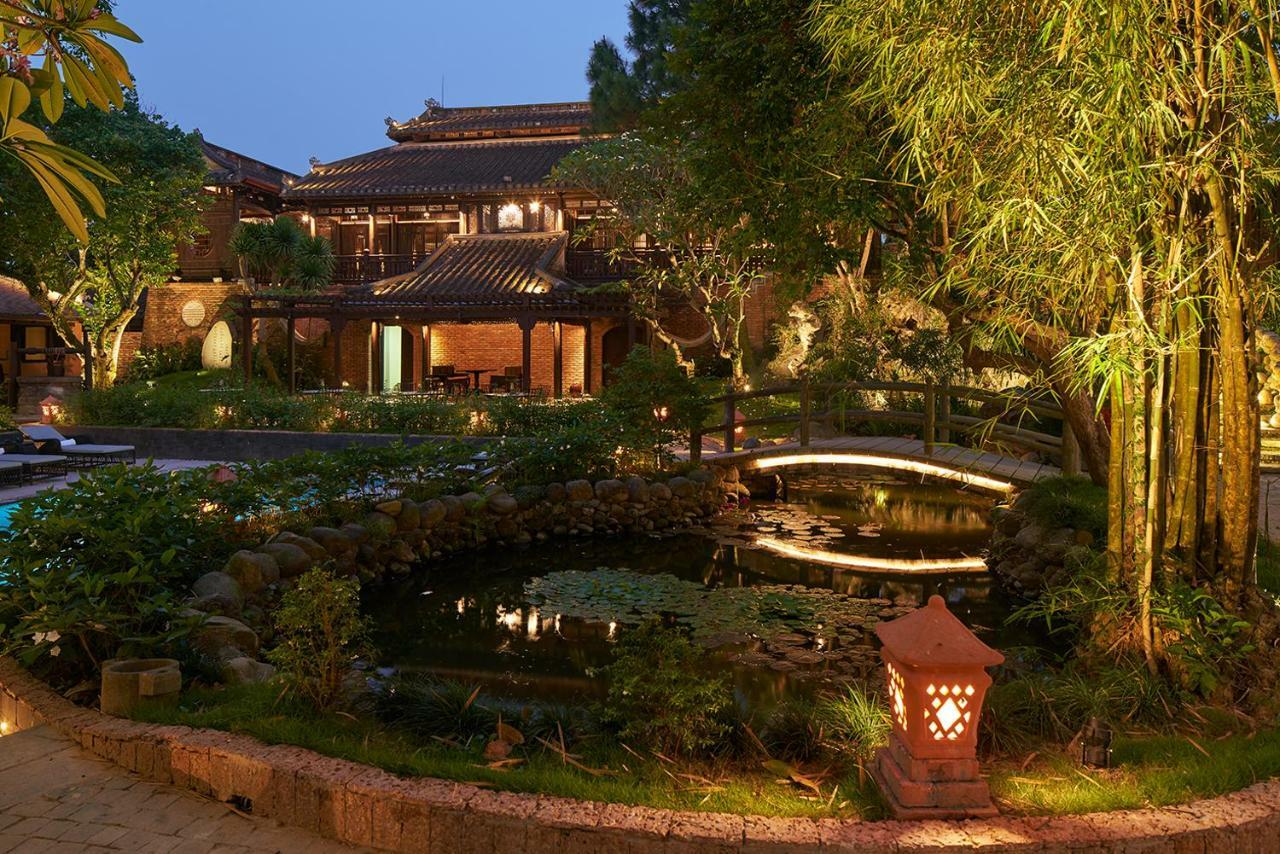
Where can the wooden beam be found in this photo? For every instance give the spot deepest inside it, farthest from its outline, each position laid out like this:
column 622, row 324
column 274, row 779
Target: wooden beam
column 291, row 354
column 426, row 353
column 557, row 359
column 588, row 385
column 246, row 347
column 375, row 358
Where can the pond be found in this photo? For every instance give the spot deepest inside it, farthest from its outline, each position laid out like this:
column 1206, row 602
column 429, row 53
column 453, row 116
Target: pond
column 778, row 593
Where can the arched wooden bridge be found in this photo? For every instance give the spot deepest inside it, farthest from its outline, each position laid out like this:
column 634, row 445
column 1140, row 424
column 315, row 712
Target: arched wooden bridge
column 932, row 454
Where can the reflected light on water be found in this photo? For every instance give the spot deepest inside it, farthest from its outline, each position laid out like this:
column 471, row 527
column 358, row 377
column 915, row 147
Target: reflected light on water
column 895, row 464
column 875, row 564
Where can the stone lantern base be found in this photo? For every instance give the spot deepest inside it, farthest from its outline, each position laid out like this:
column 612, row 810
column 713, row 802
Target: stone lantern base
column 930, row 788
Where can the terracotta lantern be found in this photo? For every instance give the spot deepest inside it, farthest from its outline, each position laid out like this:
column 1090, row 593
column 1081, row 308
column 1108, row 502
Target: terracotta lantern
column 937, row 679
column 50, row 409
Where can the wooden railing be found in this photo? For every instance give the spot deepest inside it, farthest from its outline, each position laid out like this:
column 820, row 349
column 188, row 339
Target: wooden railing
column 936, row 420
column 367, row 267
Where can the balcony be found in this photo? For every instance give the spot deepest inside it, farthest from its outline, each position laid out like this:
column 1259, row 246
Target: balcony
column 367, row 267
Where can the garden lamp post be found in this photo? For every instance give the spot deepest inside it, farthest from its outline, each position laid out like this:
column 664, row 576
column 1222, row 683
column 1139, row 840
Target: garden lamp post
column 937, row 679
column 50, row 410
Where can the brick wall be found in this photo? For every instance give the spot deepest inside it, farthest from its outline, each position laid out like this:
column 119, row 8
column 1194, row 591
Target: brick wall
column 480, row 345
column 163, row 322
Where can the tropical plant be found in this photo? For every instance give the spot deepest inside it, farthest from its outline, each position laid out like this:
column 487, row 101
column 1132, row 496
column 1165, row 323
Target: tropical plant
column 282, row 255
column 320, row 633
column 93, row 571
column 90, row 291
column 67, row 35
column 661, row 695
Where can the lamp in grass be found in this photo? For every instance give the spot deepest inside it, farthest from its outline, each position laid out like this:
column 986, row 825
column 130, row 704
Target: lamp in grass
column 937, row 678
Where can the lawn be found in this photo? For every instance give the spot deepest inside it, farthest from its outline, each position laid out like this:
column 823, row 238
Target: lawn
column 1148, row 770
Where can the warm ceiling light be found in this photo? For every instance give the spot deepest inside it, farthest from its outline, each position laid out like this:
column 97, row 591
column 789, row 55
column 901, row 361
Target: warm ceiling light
column 897, row 464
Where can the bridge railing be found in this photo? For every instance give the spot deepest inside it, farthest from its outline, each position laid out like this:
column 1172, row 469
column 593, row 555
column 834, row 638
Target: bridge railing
column 936, row 419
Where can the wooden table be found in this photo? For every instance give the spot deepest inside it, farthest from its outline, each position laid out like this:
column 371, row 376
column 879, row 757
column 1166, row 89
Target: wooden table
column 476, row 372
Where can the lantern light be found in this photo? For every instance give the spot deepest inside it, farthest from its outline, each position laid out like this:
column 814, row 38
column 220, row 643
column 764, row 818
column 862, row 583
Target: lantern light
column 50, row 410
column 936, row 673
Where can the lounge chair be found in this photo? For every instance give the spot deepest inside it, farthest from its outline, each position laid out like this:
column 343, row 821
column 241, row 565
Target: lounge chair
column 80, row 455
column 12, row 473
column 35, row 465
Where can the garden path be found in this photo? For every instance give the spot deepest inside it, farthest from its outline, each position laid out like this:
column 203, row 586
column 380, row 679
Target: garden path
column 57, row 799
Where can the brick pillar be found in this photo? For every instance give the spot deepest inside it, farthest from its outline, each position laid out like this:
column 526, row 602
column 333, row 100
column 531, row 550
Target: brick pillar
column 587, row 385
column 526, row 353
column 557, row 359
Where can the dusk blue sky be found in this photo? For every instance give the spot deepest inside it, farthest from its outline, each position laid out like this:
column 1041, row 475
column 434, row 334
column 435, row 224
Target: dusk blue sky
column 282, row 80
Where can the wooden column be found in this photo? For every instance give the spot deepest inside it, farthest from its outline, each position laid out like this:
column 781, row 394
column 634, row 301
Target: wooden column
column 426, row 353
column 291, row 354
column 375, row 358
column 588, row 385
column 526, row 353
column 336, row 326
column 557, row 359
column 930, row 418
column 15, row 363
column 87, row 356
column 246, row 347
column 1070, row 450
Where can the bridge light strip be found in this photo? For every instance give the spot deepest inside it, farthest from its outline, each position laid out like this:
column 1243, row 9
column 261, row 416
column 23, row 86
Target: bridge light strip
column 873, row 564
column 897, row 464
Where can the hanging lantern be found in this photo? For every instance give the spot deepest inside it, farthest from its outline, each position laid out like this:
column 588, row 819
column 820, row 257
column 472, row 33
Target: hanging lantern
column 50, row 410
column 937, row 680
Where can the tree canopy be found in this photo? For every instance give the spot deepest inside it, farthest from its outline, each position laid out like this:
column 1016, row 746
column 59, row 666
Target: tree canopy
column 153, row 208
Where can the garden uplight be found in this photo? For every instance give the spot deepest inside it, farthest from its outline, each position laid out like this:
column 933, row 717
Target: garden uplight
column 50, row 410
column 936, row 671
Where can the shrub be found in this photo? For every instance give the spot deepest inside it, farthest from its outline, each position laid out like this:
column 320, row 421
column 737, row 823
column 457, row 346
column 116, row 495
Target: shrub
column 432, row 707
column 856, row 722
column 152, row 362
column 1067, row 502
column 320, row 633
column 652, row 403
column 93, row 571
column 660, row 695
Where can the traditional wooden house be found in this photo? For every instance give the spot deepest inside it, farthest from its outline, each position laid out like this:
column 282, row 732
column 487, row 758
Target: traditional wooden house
column 454, row 257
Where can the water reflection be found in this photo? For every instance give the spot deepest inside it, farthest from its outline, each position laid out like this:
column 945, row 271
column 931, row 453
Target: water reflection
column 470, row 617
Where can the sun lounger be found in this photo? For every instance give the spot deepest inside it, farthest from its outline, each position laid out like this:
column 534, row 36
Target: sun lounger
column 79, row 455
column 12, row 473
column 37, row 465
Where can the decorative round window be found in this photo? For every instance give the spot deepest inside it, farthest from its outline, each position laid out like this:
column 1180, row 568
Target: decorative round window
column 193, row 313
column 202, row 245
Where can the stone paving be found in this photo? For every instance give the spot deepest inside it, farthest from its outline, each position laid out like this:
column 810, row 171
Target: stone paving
column 57, row 799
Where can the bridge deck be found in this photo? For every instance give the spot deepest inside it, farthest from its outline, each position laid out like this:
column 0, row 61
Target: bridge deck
column 1011, row 469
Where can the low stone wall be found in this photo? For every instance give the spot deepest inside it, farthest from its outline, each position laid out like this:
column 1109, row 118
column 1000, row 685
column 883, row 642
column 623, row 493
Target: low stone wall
column 397, row 535
column 1027, row 556
column 166, row 443
column 364, row 806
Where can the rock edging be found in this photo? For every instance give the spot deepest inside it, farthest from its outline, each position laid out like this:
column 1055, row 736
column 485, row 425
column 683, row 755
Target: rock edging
column 398, row 534
column 365, row 806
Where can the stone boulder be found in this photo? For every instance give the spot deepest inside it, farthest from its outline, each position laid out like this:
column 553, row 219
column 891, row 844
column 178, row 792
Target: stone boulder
column 556, row 493
column 611, row 490
column 358, row 533
column 682, row 487
column 217, row 633
column 218, row 588
column 379, row 525
column 410, row 518
column 433, row 513
column 580, row 490
column 253, row 571
column 659, row 492
column 313, row 549
column 243, row 670
column 335, row 542
column 637, row 490
column 455, row 510
column 503, row 504
column 391, row 508
column 292, row 560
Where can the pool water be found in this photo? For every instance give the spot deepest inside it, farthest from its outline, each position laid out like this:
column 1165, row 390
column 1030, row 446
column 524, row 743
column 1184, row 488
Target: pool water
column 533, row 623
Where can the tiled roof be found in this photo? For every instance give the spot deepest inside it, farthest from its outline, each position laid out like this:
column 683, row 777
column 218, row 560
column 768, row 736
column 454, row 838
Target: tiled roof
column 482, row 265
column 229, row 167
column 15, row 301
column 442, row 123
column 413, row 168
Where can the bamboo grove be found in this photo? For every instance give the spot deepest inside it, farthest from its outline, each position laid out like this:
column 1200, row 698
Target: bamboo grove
column 1105, row 175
